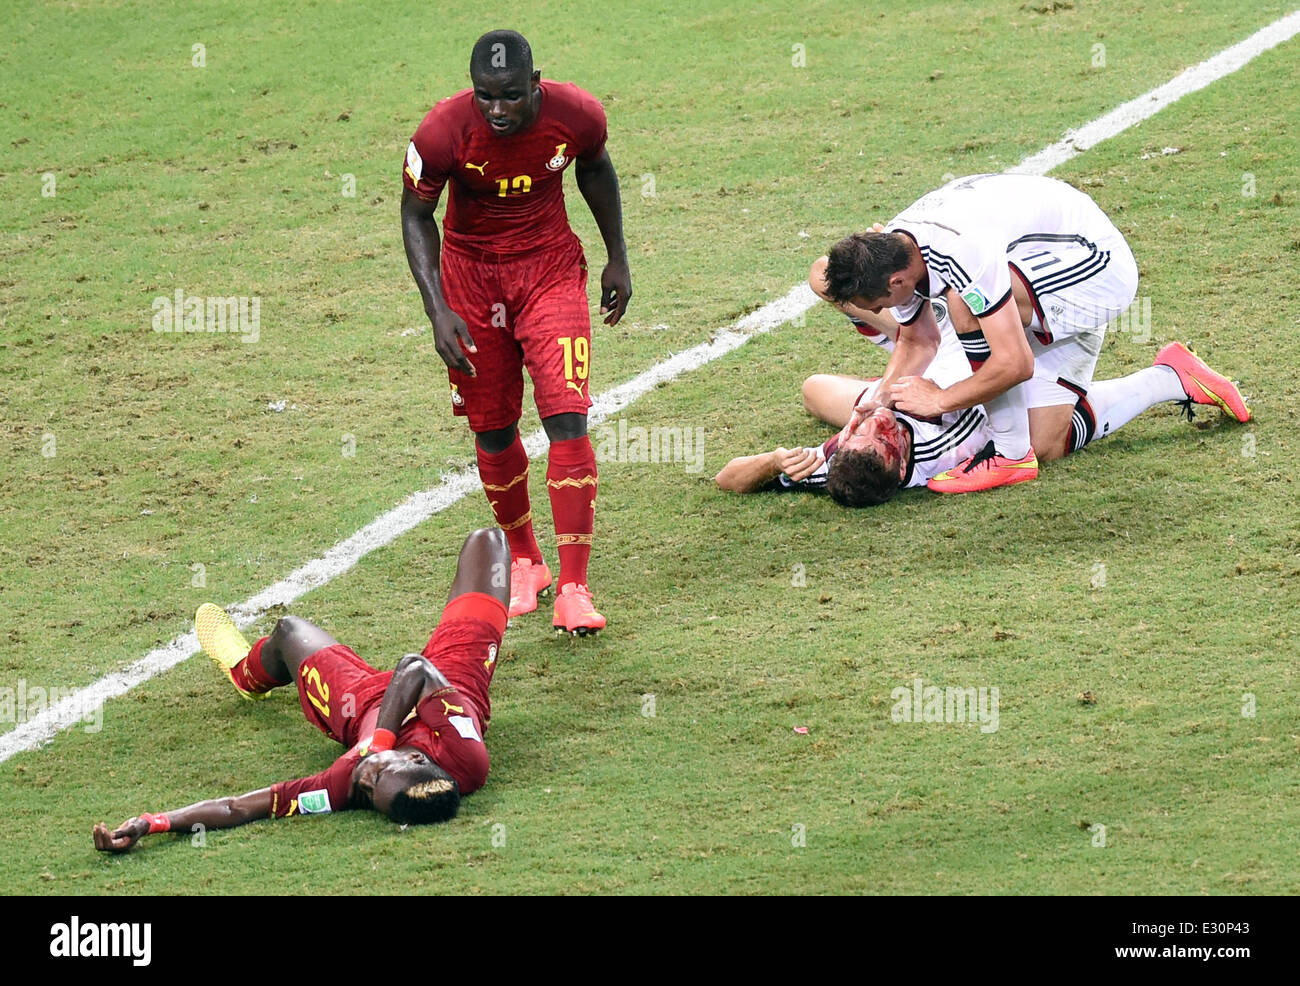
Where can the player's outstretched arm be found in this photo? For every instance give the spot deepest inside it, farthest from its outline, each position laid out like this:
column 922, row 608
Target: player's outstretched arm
column 218, row 813
column 598, row 183
column 751, row 473
column 748, row 473
column 423, row 251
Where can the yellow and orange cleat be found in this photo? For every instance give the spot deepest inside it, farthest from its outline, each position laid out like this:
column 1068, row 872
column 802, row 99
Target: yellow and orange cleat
column 1201, row 384
column 528, row 580
column 986, row 470
column 575, row 613
column 222, row 641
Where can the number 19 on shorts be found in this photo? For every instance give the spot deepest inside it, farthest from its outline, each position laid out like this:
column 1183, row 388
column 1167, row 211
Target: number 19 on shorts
column 577, row 360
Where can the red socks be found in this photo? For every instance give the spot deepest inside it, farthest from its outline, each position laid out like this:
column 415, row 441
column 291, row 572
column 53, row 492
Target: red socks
column 571, row 482
column 251, row 676
column 505, row 481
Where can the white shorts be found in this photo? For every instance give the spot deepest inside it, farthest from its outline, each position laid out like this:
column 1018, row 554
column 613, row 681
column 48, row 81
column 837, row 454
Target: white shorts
column 1079, row 287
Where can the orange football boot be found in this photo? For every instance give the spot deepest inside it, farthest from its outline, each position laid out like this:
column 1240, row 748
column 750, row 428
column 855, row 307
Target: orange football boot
column 1201, row 384
column 528, row 579
column 985, row 470
column 575, row 613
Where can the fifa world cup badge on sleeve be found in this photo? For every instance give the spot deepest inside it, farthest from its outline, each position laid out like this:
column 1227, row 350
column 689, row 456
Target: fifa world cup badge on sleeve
column 314, row 802
column 974, row 298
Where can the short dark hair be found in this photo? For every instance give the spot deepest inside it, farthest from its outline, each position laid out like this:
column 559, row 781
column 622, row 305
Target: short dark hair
column 501, row 53
column 436, row 798
column 860, row 478
column 860, row 266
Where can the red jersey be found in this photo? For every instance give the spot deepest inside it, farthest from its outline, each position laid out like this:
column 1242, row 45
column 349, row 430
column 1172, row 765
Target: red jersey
column 340, row 695
column 331, row 789
column 507, row 193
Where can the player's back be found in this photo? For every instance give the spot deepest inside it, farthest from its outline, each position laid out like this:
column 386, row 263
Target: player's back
column 1002, row 209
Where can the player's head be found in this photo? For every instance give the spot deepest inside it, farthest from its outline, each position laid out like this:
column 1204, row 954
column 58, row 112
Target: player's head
column 407, row 786
column 871, row 270
column 871, row 462
column 505, row 85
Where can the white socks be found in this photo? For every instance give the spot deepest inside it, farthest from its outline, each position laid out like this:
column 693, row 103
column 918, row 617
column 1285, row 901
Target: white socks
column 1117, row 402
column 1009, row 419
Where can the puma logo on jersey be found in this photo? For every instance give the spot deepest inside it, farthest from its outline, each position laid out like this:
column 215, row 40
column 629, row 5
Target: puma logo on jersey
column 448, row 708
column 575, row 386
column 558, row 162
column 478, row 167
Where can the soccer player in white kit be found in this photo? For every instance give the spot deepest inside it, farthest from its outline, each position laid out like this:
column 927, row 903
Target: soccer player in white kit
column 1033, row 271
column 878, row 453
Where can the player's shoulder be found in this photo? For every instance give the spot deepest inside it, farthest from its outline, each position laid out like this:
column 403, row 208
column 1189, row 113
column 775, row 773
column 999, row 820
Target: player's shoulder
column 569, row 97
column 452, row 114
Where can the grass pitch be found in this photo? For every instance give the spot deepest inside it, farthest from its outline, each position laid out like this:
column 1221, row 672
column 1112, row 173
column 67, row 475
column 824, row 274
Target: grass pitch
column 1134, row 607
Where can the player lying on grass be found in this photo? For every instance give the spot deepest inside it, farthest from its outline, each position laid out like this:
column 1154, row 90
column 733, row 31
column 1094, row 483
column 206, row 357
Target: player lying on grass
column 876, row 454
column 414, row 735
column 1033, row 270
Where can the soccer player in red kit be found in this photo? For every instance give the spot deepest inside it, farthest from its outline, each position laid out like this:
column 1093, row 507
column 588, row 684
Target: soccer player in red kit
column 506, row 287
column 414, row 735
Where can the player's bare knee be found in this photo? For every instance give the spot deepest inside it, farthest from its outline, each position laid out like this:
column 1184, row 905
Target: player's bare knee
column 490, row 540
column 565, row 427
column 286, row 627
column 817, row 278
column 811, row 390
column 1049, row 445
column 496, row 441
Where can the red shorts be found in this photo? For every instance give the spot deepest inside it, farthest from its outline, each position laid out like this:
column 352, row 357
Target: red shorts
column 464, row 648
column 527, row 310
column 340, row 693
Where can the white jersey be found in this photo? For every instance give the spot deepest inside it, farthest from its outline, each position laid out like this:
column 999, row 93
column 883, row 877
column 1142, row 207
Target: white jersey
column 971, row 228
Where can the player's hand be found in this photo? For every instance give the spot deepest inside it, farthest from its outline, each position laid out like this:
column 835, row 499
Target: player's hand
column 861, row 411
column 121, row 838
column 449, row 332
column 918, row 396
column 798, row 463
column 615, row 290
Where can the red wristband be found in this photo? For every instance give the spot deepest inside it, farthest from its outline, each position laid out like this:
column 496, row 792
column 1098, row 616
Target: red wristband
column 157, row 823
column 382, row 740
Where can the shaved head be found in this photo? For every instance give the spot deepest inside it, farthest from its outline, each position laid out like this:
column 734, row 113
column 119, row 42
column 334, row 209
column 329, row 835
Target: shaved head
column 501, row 53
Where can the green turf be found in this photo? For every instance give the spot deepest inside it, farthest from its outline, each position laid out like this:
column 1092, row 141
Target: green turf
column 742, row 617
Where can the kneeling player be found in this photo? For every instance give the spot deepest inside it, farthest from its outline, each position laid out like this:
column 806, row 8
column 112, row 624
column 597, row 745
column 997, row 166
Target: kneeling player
column 414, row 735
column 876, row 454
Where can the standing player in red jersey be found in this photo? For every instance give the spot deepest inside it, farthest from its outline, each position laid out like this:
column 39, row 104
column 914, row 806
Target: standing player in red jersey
column 506, row 287
column 414, row 735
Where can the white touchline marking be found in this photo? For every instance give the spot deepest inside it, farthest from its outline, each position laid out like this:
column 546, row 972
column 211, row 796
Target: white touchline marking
column 388, row 527
column 421, row 506
column 1075, row 142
